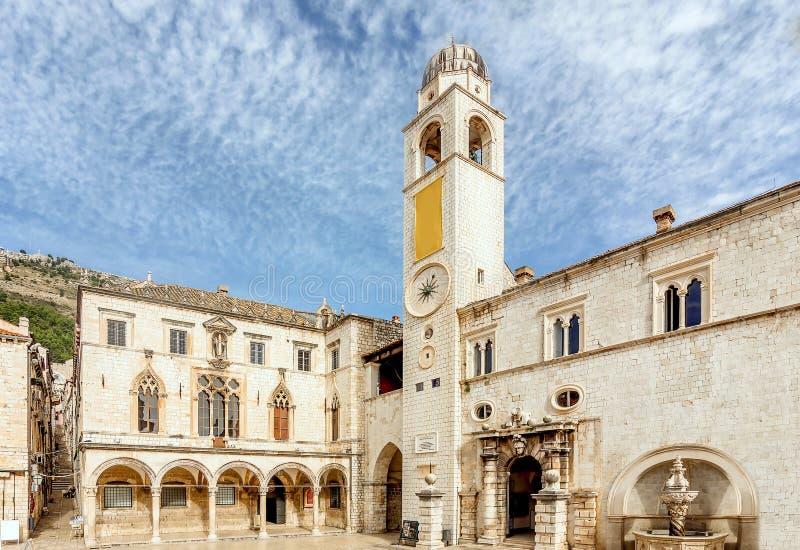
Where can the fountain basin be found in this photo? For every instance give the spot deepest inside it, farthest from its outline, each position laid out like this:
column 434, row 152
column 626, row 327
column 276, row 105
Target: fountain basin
column 693, row 540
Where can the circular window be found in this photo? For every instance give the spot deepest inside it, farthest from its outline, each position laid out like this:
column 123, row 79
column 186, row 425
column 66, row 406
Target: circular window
column 567, row 398
column 477, row 89
column 482, row 411
column 430, row 96
column 428, row 332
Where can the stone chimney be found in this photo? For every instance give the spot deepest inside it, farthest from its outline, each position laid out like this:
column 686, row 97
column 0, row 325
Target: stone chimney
column 222, row 289
column 664, row 217
column 24, row 325
column 524, row 274
column 395, row 318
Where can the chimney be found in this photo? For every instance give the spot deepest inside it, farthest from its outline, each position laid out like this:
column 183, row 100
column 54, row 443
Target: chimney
column 149, row 276
column 664, row 217
column 395, row 318
column 23, row 326
column 222, row 289
column 524, row 274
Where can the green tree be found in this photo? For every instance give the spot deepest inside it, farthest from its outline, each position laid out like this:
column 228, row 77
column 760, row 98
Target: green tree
column 52, row 329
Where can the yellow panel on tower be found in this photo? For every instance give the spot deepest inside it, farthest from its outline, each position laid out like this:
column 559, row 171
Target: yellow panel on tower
column 428, row 220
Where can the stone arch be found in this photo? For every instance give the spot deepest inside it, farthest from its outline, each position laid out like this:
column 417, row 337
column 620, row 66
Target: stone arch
column 622, row 485
column 148, row 371
column 330, row 467
column 429, row 143
column 381, row 467
column 241, row 464
column 480, row 136
column 137, row 465
column 276, row 394
column 184, row 463
column 293, row 465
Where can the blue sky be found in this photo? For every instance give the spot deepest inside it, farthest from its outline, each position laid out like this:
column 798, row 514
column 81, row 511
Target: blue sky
column 258, row 144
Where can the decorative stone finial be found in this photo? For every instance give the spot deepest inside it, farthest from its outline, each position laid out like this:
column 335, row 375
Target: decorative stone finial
column 551, row 480
column 430, row 479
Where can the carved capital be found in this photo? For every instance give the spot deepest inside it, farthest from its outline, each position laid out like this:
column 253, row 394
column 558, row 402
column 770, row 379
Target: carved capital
column 155, row 492
column 263, row 491
column 90, row 491
column 212, row 491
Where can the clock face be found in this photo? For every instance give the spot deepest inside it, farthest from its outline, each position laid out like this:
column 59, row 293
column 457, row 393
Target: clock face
column 427, row 290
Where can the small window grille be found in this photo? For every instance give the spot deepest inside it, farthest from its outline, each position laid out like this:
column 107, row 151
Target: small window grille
column 226, row 495
column 420, row 386
column 116, row 332
column 173, row 496
column 304, row 360
column 117, row 497
column 334, row 358
column 177, row 341
column 257, row 353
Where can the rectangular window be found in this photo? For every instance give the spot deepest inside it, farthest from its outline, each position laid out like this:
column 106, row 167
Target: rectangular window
column 334, row 358
column 177, row 341
column 226, row 495
column 304, row 360
column 480, row 276
column 336, row 497
column 116, row 332
column 420, row 386
column 436, row 382
column 117, row 497
column 173, row 496
column 281, row 423
column 257, row 353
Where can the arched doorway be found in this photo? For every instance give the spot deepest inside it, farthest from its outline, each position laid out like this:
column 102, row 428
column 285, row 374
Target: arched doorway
column 276, row 502
column 384, row 512
column 394, row 492
column 524, row 479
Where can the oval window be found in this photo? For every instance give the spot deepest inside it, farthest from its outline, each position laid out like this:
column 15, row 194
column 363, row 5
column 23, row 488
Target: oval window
column 567, row 398
column 482, row 411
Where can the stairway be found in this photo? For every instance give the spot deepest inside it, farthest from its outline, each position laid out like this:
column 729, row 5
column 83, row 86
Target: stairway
column 63, row 479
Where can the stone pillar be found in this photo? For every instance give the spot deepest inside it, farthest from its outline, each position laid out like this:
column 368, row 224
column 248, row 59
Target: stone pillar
column 430, row 515
column 491, row 525
column 262, row 514
column 585, row 523
column 155, row 493
column 315, row 509
column 682, row 308
column 212, row 513
column 551, row 514
column 89, row 516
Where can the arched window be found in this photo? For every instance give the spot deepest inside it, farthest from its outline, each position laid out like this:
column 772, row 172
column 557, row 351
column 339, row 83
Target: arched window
column 280, row 424
column 217, row 406
column 477, row 358
column 335, row 418
column 558, row 339
column 488, row 356
column 147, row 404
column 693, row 303
column 431, row 146
column 671, row 309
column 574, row 334
column 203, row 414
column 479, row 140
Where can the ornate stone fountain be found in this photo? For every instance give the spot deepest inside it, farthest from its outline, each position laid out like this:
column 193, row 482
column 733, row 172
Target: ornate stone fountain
column 677, row 497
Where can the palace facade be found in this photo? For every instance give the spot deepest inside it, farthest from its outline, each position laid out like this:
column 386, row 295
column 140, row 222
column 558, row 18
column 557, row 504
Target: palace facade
column 201, row 415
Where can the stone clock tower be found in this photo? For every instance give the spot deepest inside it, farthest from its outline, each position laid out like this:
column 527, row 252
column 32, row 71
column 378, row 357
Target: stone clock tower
column 452, row 254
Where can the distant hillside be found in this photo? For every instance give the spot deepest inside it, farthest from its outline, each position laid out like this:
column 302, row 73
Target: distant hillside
column 45, row 289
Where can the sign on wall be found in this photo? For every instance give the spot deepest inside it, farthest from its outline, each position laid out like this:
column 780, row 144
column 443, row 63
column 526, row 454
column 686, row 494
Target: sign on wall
column 426, row 443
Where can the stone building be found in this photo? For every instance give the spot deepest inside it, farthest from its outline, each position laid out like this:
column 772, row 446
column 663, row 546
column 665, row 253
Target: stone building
column 26, row 446
column 549, row 408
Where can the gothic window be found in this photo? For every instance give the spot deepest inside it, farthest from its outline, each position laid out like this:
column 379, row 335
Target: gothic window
column 574, row 334
column 218, row 406
column 257, row 353
column 693, row 303
column 477, row 359
column 116, row 332
column 671, row 309
column 487, row 357
column 335, row 418
column 281, row 404
column 147, row 404
column 177, row 341
column 558, row 339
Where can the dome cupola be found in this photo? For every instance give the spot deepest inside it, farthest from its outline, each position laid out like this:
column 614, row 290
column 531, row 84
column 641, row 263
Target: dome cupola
column 455, row 57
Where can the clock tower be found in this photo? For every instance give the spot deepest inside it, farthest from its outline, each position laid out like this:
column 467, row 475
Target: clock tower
column 452, row 256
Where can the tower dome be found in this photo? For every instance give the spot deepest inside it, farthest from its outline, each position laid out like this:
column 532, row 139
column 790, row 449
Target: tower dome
column 455, row 57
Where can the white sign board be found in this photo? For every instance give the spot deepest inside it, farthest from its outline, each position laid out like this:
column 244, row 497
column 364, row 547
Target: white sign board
column 426, row 443
column 9, row 530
